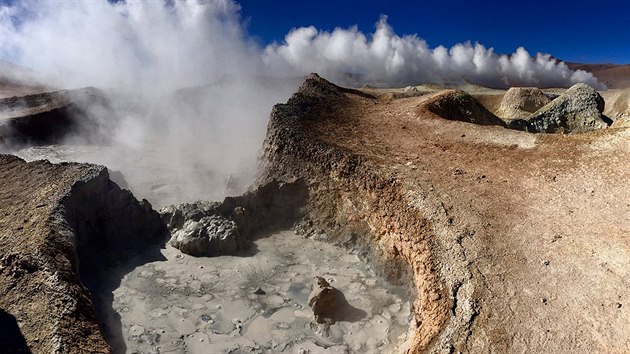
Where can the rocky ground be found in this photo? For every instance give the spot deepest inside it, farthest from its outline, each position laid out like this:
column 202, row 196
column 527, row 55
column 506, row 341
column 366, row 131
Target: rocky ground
column 54, row 221
column 506, row 213
column 515, row 241
column 53, row 116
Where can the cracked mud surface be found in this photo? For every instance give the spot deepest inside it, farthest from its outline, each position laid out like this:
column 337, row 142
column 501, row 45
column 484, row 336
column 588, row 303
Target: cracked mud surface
column 203, row 305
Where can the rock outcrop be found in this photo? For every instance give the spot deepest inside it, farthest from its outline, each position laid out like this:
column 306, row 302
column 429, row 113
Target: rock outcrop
column 323, row 300
column 211, row 235
column 459, row 105
column 213, row 228
column 579, row 109
column 49, row 117
column 59, row 223
column 351, row 201
column 521, row 102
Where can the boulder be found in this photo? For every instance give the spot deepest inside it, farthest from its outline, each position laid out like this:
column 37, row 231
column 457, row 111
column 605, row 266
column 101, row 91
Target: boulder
column 323, row 300
column 214, row 228
column 211, row 235
column 521, row 102
column 330, row 305
column 458, row 105
column 579, row 109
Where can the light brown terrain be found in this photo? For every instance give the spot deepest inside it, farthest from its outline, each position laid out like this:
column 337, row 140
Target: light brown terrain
column 18, row 81
column 517, row 242
column 59, row 222
column 615, row 76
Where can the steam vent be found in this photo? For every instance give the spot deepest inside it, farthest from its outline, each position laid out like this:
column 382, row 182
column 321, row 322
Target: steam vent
column 423, row 219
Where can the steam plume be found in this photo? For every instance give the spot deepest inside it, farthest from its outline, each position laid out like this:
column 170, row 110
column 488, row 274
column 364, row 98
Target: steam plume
column 385, row 57
column 147, row 50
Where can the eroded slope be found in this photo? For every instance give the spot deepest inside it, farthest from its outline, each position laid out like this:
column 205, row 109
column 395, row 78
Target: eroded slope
column 57, row 219
column 514, row 241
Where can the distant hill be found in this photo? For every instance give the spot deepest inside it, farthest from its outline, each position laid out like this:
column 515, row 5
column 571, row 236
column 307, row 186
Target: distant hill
column 16, row 80
column 613, row 75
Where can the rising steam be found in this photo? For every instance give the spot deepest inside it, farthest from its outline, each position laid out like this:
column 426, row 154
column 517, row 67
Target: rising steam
column 146, row 51
column 182, row 43
column 384, row 57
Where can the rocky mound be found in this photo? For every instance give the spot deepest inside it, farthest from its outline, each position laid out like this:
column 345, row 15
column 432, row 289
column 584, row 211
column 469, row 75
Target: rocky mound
column 229, row 227
column 59, row 223
column 49, row 117
column 617, row 103
column 512, row 242
column 579, row 109
column 458, row 105
column 521, row 102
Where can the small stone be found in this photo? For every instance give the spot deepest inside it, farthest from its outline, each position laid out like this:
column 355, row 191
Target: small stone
column 136, row 330
column 283, row 325
column 260, row 291
column 618, row 305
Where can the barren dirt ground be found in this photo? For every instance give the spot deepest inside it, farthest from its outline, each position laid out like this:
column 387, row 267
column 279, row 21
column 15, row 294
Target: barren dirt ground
column 549, row 217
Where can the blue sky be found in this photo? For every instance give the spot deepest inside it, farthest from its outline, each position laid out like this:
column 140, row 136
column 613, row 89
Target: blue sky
column 580, row 31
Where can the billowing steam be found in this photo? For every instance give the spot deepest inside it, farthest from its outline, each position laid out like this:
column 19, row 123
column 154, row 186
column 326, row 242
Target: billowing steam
column 199, row 142
column 141, row 45
column 167, row 44
column 189, row 91
column 386, row 58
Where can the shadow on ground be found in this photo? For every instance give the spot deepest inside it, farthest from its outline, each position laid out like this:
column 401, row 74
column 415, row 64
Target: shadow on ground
column 102, row 281
column 11, row 337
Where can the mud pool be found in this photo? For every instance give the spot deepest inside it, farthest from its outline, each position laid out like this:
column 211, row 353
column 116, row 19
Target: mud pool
column 255, row 303
column 155, row 173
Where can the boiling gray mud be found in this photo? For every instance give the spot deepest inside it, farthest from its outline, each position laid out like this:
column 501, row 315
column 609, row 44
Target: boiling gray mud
column 257, row 303
column 184, row 304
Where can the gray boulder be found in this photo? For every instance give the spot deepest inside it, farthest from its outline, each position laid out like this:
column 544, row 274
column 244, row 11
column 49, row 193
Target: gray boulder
column 521, row 102
column 211, row 235
column 216, row 228
column 579, row 109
